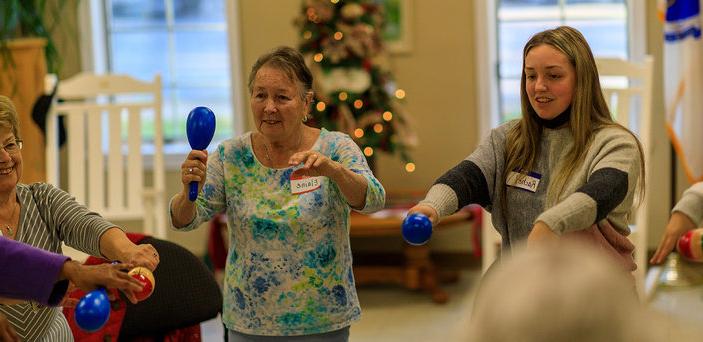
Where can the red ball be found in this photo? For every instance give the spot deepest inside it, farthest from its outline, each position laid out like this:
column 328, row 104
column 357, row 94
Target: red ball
column 684, row 245
column 146, row 278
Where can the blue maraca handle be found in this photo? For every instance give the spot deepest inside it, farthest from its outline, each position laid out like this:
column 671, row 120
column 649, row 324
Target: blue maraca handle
column 193, row 191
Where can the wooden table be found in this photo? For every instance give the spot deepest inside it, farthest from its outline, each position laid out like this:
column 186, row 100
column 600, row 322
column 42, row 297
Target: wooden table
column 416, row 271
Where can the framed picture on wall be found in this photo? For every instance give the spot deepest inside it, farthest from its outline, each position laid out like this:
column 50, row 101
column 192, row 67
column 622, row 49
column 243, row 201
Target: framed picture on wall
column 398, row 31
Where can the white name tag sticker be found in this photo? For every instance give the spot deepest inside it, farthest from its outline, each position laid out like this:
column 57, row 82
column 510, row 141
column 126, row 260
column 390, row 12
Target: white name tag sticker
column 301, row 184
column 527, row 181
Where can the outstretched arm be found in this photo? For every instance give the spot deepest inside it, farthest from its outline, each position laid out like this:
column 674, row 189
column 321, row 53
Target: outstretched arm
column 115, row 245
column 679, row 224
column 39, row 275
column 88, row 278
column 462, row 185
column 686, row 215
column 29, row 273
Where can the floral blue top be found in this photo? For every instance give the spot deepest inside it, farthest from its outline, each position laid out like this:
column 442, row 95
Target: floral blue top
column 289, row 268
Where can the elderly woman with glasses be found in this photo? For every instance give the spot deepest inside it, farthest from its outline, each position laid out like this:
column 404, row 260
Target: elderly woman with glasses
column 44, row 216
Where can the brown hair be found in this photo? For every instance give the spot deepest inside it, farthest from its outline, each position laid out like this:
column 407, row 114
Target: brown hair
column 288, row 60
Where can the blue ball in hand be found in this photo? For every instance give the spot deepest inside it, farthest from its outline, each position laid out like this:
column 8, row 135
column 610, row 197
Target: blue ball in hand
column 417, row 229
column 93, row 310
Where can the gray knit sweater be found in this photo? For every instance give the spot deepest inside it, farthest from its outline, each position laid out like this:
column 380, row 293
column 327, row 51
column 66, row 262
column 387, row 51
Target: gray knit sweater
column 601, row 187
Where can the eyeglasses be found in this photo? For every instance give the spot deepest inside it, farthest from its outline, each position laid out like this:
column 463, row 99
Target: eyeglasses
column 13, row 146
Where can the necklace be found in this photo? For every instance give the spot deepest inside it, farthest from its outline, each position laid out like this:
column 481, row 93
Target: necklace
column 11, row 232
column 268, row 155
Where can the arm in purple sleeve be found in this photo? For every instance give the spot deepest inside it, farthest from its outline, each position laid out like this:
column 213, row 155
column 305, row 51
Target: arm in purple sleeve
column 30, row 273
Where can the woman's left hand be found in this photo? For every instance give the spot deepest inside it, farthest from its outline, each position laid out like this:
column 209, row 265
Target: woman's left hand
column 541, row 234
column 314, row 164
column 352, row 185
column 142, row 255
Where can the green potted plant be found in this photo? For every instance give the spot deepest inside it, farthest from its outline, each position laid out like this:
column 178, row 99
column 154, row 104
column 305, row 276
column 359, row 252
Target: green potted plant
column 31, row 19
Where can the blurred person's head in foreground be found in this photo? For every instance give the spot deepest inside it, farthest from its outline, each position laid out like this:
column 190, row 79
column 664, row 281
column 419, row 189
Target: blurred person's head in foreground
column 568, row 292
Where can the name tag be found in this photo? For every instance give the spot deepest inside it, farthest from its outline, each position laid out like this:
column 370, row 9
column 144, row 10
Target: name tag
column 302, row 184
column 526, row 181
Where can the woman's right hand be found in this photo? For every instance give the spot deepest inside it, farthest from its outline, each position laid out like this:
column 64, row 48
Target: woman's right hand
column 194, row 169
column 679, row 224
column 89, row 277
column 426, row 210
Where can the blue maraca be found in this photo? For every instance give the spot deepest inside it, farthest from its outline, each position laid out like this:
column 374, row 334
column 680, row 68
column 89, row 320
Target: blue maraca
column 200, row 127
column 417, row 229
column 93, row 310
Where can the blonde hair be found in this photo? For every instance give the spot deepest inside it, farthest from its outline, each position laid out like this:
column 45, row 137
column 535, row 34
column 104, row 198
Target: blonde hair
column 589, row 112
column 8, row 116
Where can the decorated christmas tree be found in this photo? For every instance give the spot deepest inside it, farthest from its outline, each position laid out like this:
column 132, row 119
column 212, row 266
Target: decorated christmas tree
column 354, row 90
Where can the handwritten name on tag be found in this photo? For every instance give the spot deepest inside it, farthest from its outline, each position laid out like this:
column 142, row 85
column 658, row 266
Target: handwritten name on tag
column 302, row 184
column 526, row 181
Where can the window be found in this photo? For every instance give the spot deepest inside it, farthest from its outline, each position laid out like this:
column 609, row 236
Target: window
column 602, row 22
column 610, row 26
column 187, row 42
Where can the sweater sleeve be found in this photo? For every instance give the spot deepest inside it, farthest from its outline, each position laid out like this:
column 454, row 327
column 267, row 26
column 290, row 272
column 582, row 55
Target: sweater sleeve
column 691, row 203
column 612, row 180
column 30, row 273
column 468, row 182
column 349, row 155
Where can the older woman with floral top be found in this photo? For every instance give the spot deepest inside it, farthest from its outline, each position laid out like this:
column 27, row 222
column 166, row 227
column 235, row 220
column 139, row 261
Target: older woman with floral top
column 287, row 189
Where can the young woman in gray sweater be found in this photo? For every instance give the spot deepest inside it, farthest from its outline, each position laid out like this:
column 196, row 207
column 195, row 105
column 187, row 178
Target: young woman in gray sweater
column 564, row 168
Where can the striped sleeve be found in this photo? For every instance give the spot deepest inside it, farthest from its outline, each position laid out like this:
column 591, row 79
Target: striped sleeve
column 74, row 224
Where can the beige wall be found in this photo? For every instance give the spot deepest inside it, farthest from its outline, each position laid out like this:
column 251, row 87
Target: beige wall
column 438, row 76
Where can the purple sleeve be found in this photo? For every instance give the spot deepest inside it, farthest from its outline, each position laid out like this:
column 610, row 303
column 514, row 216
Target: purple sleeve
column 30, row 273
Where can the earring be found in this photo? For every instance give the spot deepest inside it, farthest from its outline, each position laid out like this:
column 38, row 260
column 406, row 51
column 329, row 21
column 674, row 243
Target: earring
column 305, row 118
